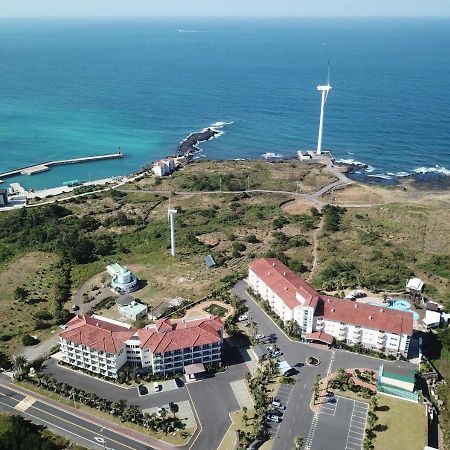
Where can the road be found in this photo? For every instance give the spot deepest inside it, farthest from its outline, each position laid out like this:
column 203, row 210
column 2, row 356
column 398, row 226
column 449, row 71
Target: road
column 79, row 427
column 212, row 399
column 298, row 417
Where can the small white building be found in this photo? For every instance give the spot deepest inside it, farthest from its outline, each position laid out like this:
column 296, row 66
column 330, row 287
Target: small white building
column 122, row 279
column 164, row 167
column 414, row 284
column 303, row 156
column 432, row 318
column 131, row 309
column 325, row 319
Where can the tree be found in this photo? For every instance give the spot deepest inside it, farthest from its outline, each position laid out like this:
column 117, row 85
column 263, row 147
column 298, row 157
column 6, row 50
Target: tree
column 28, row 340
column 374, row 403
column 298, row 442
column 5, row 362
column 19, row 364
column 21, row 294
column 371, row 420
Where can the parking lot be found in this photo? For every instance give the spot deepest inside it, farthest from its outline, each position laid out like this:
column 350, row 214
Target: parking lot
column 341, row 425
column 283, row 395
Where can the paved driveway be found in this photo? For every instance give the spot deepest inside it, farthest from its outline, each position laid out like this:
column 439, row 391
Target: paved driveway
column 340, row 426
column 299, row 418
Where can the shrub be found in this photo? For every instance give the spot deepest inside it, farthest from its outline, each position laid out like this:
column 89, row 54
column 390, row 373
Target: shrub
column 28, row 340
column 43, row 315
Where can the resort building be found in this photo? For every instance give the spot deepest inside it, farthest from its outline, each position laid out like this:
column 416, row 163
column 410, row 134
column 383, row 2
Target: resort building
column 122, row 280
column 95, row 344
column 164, row 167
column 103, row 345
column 325, row 319
column 131, row 309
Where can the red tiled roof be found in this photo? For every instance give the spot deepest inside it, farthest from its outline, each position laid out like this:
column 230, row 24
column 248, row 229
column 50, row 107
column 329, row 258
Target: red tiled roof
column 364, row 315
column 284, row 282
column 183, row 335
column 320, row 336
column 97, row 334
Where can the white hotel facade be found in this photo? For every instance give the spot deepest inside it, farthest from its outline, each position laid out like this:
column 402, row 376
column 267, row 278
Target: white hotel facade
column 323, row 318
column 104, row 346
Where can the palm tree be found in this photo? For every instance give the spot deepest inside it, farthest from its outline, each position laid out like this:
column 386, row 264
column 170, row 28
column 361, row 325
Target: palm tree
column 298, row 442
column 19, row 364
column 374, row 403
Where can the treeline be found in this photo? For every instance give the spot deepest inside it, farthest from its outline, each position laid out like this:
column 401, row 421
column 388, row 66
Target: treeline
column 53, row 228
column 20, row 434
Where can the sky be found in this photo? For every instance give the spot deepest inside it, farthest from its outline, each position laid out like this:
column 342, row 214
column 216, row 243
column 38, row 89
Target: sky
column 222, row 8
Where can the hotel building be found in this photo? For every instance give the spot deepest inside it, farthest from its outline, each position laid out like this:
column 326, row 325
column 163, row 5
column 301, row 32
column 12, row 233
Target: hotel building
column 103, row 345
column 323, row 318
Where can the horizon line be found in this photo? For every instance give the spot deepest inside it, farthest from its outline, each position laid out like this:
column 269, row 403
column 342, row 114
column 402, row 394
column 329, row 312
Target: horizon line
column 143, row 16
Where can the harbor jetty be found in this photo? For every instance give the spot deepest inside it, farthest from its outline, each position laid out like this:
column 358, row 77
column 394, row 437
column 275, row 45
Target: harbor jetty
column 44, row 166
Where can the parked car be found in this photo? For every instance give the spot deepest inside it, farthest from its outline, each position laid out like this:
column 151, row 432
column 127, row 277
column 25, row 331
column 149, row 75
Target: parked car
column 255, row 445
column 276, row 412
column 179, row 382
column 75, row 307
column 63, row 327
column 273, row 418
column 142, row 389
column 259, row 336
column 159, row 411
column 242, row 318
column 156, row 386
column 277, row 404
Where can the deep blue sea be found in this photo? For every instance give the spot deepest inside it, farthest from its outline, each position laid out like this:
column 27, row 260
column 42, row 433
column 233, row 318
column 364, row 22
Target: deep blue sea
column 71, row 88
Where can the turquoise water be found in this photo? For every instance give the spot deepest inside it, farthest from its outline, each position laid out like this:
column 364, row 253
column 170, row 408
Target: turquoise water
column 72, row 88
column 399, row 304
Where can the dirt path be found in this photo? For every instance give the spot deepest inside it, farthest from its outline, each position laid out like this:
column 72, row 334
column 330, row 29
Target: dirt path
column 314, row 252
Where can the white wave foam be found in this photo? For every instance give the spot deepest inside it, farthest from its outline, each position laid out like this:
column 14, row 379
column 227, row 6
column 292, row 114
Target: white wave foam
column 350, row 153
column 221, row 124
column 436, row 169
column 272, row 155
column 370, row 169
column 351, row 161
column 384, row 176
column 191, row 31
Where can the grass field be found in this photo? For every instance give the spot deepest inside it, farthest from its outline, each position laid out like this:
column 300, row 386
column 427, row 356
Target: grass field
column 289, row 176
column 34, row 273
column 406, row 425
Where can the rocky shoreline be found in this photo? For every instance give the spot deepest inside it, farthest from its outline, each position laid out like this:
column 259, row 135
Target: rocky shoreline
column 188, row 146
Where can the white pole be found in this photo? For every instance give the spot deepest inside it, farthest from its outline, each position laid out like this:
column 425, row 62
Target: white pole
column 172, row 235
column 322, row 109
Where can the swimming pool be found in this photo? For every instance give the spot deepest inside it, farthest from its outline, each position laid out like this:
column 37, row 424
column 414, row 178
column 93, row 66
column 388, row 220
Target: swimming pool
column 400, row 304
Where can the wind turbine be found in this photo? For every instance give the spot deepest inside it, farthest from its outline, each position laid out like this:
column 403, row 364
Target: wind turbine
column 171, row 220
column 325, row 89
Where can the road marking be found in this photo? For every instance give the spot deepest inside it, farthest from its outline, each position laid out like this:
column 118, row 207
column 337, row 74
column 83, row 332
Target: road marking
column 312, row 431
column 72, row 423
column 24, row 404
column 56, row 426
column 357, row 426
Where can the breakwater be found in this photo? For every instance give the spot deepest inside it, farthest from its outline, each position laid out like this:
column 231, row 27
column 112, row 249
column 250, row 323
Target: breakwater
column 41, row 167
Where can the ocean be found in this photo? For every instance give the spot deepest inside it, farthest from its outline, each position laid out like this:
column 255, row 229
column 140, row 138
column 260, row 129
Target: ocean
column 72, row 88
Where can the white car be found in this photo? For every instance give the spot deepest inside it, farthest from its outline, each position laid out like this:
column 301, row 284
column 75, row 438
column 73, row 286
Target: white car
column 277, row 404
column 156, row 386
column 242, row 318
column 273, row 418
column 259, row 336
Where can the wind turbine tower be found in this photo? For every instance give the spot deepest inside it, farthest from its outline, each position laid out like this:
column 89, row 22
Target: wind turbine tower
column 325, row 89
column 170, row 215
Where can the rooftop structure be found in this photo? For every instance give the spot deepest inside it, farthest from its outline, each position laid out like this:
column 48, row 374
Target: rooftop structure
column 133, row 311
column 397, row 382
column 3, row 197
column 164, row 167
column 122, row 279
column 414, row 284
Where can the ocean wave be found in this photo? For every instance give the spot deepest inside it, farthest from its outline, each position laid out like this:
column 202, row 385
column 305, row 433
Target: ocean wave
column 351, row 162
column 436, row 169
column 370, row 169
column 191, row 31
column 384, row 176
column 269, row 155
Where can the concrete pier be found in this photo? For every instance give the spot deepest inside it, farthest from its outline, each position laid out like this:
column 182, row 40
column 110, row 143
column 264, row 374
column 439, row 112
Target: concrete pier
column 41, row 167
